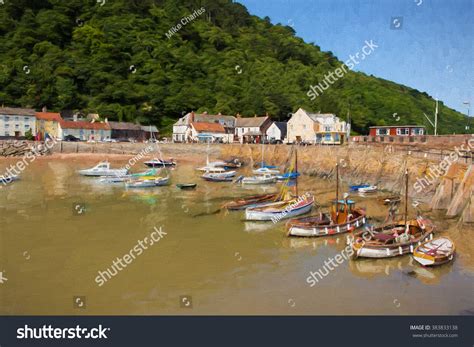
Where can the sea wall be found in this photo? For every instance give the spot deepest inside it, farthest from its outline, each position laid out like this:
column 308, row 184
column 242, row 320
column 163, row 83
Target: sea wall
column 379, row 166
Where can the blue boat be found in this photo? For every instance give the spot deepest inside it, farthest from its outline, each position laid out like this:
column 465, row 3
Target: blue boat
column 288, row 176
column 356, row 188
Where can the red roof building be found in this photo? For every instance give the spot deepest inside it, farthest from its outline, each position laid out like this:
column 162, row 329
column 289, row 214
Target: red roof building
column 397, row 130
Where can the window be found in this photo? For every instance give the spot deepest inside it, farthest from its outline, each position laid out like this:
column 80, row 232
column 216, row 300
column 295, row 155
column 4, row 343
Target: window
column 27, row 126
column 304, row 126
column 417, row 131
column 17, row 118
column 27, row 119
column 403, row 131
column 327, row 128
column 7, row 133
column 17, row 126
column 7, row 125
column 381, row 131
column 7, row 118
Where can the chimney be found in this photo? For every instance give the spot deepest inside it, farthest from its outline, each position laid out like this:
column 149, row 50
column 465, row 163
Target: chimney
column 44, row 109
column 191, row 118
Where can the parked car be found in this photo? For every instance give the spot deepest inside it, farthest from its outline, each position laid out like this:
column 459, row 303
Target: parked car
column 71, row 138
column 109, row 140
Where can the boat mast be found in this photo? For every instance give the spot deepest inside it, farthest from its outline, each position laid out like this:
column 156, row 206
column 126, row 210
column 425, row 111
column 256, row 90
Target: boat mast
column 406, row 197
column 337, row 191
column 296, row 170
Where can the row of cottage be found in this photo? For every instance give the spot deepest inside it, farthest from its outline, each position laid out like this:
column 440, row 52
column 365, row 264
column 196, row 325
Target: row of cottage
column 19, row 122
column 303, row 126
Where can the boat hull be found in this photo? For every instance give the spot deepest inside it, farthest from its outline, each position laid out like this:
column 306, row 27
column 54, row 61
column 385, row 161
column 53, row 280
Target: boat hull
column 252, row 213
column 422, row 256
column 326, row 230
column 104, row 173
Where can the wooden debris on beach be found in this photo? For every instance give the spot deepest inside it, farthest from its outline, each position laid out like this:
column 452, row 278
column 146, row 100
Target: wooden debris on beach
column 16, row 148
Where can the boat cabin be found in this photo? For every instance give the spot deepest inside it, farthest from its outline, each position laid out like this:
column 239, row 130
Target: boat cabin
column 341, row 210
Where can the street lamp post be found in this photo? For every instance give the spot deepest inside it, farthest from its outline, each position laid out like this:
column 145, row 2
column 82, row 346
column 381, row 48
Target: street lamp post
column 468, row 117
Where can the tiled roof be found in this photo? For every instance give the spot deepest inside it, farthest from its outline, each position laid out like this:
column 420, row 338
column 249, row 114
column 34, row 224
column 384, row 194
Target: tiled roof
column 251, row 121
column 147, row 128
column 209, row 127
column 84, row 125
column 17, row 111
column 52, row 116
column 205, row 118
column 124, row 126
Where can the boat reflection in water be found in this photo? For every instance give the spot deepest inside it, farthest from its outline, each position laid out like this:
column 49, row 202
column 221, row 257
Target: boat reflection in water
column 370, row 268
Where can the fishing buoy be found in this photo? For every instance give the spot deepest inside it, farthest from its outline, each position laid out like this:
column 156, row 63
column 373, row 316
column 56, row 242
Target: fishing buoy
column 326, row 230
column 400, row 251
column 431, row 236
column 357, row 223
column 411, row 248
column 337, row 229
column 388, row 251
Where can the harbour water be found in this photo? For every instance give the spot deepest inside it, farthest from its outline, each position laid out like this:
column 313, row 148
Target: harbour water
column 58, row 230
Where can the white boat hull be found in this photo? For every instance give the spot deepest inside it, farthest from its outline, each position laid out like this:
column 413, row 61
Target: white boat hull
column 255, row 214
column 389, row 252
column 326, row 230
column 106, row 173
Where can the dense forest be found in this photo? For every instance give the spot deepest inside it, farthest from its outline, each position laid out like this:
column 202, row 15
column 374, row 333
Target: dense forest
column 128, row 60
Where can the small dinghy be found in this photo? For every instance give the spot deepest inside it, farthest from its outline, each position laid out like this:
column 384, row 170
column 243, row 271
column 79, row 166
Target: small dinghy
column 186, row 185
column 435, row 252
column 369, row 189
column 103, row 169
column 390, row 200
column 160, row 163
column 288, row 176
column 266, row 170
column 5, row 179
column 357, row 187
column 251, row 201
column 147, row 182
column 260, row 179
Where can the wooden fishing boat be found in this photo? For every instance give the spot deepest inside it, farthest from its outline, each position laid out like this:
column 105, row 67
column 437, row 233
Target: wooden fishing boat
column 393, row 240
column 160, row 163
column 186, row 185
column 344, row 217
column 438, row 251
column 251, row 201
column 103, row 169
column 277, row 211
column 260, row 179
column 5, row 179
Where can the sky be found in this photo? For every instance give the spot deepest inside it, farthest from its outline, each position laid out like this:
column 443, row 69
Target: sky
column 423, row 44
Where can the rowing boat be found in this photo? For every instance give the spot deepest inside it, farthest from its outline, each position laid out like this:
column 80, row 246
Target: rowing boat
column 147, row 182
column 277, row 211
column 251, row 201
column 369, row 189
column 435, row 252
column 186, row 185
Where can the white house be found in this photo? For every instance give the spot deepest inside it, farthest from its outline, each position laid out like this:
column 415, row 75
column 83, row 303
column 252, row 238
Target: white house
column 252, row 129
column 322, row 128
column 16, row 122
column 277, row 131
column 182, row 127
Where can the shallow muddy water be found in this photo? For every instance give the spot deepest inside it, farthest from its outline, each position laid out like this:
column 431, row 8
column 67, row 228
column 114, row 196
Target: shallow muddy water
column 59, row 230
